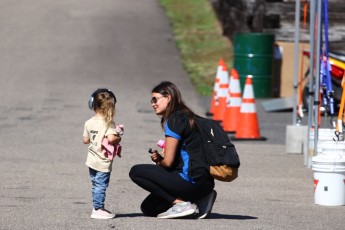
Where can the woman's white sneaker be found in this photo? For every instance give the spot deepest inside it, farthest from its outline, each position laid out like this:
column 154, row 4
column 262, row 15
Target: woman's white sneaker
column 178, row 210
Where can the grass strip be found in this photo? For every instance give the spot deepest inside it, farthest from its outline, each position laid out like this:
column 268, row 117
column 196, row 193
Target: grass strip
column 198, row 36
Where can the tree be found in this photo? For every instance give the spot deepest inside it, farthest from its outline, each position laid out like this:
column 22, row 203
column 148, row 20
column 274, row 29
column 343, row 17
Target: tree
column 238, row 16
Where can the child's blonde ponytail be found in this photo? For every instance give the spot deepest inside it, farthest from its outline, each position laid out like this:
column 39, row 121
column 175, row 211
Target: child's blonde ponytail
column 105, row 105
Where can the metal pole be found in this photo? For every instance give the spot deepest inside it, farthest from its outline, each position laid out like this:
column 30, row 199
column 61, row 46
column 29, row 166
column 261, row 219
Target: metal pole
column 317, row 79
column 311, row 78
column 296, row 56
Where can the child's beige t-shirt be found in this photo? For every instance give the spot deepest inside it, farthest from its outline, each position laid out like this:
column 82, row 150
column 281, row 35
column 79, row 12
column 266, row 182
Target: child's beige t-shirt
column 96, row 129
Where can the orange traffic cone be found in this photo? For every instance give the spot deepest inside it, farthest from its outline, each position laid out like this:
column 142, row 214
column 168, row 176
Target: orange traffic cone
column 220, row 103
column 233, row 106
column 248, row 126
column 215, row 88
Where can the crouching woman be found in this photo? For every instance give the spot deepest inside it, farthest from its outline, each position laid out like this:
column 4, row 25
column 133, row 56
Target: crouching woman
column 179, row 182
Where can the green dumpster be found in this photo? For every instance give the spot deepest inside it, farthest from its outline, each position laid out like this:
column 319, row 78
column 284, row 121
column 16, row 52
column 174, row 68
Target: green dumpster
column 253, row 55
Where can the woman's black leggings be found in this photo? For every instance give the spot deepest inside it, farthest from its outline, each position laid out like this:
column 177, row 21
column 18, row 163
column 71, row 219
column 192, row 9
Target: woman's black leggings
column 165, row 186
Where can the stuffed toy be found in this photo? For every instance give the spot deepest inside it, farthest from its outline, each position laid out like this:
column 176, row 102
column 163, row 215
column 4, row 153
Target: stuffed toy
column 110, row 150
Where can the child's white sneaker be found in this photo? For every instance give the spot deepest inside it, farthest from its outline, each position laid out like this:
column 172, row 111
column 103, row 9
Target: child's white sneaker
column 101, row 214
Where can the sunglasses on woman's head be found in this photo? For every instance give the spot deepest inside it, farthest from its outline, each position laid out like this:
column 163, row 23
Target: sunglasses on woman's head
column 154, row 100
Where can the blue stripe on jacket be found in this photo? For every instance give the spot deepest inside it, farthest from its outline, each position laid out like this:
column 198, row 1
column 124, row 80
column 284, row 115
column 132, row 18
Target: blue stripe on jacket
column 184, row 153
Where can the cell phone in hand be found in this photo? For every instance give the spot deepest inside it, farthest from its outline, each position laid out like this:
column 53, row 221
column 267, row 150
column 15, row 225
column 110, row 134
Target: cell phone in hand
column 150, row 150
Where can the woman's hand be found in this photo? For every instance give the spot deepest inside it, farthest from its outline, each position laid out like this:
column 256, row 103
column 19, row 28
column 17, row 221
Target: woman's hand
column 171, row 145
column 156, row 157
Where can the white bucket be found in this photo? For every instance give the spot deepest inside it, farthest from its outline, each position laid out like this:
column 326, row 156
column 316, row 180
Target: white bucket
column 329, row 179
column 324, row 135
column 328, row 147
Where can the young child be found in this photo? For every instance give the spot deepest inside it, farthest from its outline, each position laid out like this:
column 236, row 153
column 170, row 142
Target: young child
column 97, row 128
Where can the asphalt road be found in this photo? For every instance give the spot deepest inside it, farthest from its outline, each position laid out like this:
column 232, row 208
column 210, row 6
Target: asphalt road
column 53, row 55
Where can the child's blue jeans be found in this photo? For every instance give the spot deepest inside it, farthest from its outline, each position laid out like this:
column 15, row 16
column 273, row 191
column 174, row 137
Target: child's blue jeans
column 100, row 182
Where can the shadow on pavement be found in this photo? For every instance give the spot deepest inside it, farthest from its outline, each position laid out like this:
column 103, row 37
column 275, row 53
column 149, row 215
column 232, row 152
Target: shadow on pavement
column 129, row 215
column 211, row 216
column 233, row 217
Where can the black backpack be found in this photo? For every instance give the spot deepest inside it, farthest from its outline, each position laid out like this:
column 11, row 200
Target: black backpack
column 220, row 152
